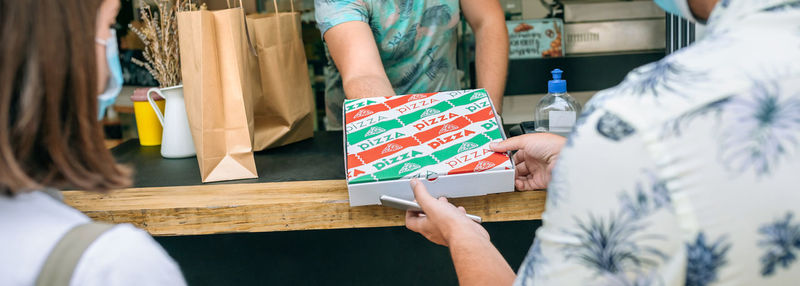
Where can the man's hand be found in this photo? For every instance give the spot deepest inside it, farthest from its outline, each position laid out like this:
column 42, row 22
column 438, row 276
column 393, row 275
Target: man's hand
column 442, row 220
column 476, row 260
column 535, row 160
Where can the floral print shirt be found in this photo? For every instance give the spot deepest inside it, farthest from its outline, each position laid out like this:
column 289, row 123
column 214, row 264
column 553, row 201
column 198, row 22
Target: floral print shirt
column 688, row 172
column 416, row 40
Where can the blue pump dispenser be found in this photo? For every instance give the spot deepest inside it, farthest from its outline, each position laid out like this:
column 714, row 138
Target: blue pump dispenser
column 557, row 85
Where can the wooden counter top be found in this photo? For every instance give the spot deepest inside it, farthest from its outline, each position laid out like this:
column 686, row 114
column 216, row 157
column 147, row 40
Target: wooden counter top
column 262, row 207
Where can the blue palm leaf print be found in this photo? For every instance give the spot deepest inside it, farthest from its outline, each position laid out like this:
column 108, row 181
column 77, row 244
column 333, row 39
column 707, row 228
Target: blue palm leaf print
column 611, row 246
column 642, row 203
column 404, row 45
column 664, row 75
column 436, row 68
column 784, row 7
column 704, row 260
column 765, row 127
column 404, row 84
column 615, row 247
column 613, row 127
column 580, row 121
column 363, row 13
column 375, row 27
column 676, row 126
column 534, row 261
column 780, row 240
column 416, row 71
column 436, row 16
column 405, row 7
column 328, row 11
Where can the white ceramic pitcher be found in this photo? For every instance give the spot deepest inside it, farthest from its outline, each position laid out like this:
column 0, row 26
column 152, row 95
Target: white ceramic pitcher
column 176, row 139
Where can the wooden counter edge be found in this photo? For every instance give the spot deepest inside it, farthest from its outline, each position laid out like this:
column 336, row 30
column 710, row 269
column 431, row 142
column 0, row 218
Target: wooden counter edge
column 265, row 207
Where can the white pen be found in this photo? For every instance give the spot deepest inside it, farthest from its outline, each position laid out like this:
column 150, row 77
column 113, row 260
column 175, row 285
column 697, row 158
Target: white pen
column 407, row 205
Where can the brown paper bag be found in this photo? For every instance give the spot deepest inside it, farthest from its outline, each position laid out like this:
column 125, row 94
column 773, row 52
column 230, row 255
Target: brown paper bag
column 284, row 109
column 220, row 78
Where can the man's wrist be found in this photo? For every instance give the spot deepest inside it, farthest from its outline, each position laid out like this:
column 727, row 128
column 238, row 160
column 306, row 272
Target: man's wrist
column 464, row 234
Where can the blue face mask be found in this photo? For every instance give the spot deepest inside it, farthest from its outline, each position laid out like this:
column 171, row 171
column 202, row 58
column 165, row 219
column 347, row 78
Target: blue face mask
column 677, row 7
column 114, row 85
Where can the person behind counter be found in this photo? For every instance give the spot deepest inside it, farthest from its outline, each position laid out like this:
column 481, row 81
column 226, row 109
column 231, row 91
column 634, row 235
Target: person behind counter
column 53, row 69
column 382, row 48
column 684, row 174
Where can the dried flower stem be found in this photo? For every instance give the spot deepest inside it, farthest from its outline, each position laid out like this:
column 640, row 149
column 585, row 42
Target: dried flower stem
column 159, row 33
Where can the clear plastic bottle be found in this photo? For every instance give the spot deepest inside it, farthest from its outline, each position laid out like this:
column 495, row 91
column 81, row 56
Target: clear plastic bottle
column 557, row 111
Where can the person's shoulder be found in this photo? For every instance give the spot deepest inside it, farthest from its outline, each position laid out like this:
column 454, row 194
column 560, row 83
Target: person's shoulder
column 330, row 13
column 32, row 224
column 125, row 255
column 677, row 84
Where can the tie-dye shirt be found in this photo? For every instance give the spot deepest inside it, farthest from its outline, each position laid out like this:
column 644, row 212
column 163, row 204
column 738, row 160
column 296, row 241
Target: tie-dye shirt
column 416, row 40
column 688, row 172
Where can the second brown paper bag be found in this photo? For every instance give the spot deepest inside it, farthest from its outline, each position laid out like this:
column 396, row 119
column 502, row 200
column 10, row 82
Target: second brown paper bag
column 284, row 109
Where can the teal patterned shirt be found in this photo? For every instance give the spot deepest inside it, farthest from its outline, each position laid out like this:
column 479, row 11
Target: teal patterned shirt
column 416, row 41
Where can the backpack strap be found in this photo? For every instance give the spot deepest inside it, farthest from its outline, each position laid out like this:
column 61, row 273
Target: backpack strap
column 64, row 257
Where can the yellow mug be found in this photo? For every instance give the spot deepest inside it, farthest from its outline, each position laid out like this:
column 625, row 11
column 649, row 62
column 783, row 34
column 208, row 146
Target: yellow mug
column 146, row 119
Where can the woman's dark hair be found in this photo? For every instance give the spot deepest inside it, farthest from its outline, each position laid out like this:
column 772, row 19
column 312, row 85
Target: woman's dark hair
column 49, row 133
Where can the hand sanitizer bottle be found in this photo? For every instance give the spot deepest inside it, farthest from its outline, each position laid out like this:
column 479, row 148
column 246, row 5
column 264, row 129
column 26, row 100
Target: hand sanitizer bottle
column 557, row 111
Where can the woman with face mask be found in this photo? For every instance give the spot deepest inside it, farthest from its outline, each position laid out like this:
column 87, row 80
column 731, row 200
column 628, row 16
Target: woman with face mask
column 58, row 70
column 686, row 173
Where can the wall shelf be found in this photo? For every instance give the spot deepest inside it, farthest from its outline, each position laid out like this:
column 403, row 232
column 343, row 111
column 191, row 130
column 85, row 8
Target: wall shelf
column 583, row 72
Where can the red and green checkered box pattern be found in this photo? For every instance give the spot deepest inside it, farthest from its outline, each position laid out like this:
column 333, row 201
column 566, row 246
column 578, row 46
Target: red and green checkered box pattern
column 421, row 136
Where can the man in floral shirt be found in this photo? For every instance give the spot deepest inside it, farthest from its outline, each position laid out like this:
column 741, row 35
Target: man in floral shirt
column 687, row 173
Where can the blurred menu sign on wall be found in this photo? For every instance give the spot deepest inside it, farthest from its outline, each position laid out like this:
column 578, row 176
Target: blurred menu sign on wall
column 535, row 38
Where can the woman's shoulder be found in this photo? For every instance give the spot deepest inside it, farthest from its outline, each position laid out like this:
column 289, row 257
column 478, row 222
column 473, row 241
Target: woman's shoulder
column 32, row 224
column 126, row 255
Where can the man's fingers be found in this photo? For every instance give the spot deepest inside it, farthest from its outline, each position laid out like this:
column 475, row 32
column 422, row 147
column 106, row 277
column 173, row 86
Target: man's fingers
column 529, row 184
column 522, row 169
column 510, row 144
column 519, row 157
column 424, row 199
column 413, row 221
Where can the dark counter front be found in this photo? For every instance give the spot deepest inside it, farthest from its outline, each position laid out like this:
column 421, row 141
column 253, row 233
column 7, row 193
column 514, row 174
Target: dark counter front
column 364, row 256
